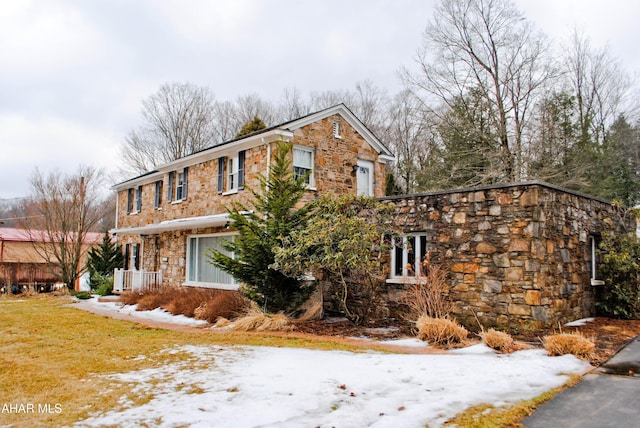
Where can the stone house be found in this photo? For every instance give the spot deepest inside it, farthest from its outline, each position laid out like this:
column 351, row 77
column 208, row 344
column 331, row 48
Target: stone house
column 520, row 256
column 166, row 219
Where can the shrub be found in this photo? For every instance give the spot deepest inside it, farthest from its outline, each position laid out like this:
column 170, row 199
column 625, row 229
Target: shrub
column 428, row 294
column 440, row 331
column 226, row 304
column 257, row 320
column 620, row 270
column 129, row 297
column 83, row 295
column 568, row 343
column 498, row 340
column 102, row 284
column 150, row 300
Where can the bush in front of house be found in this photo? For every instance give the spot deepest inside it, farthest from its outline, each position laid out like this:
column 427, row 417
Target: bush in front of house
column 569, row 343
column 428, row 293
column 101, row 284
column 619, row 267
column 443, row 332
column 199, row 303
column 498, row 340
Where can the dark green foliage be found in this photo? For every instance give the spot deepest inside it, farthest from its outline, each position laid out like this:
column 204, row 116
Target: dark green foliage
column 82, row 295
column 344, row 243
column 102, row 260
column 256, row 124
column 620, row 270
column 273, row 217
column 101, row 284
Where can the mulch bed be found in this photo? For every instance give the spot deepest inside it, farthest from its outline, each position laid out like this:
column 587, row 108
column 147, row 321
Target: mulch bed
column 609, row 335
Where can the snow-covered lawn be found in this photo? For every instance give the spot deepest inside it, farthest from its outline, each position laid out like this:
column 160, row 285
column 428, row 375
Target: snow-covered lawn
column 246, row 386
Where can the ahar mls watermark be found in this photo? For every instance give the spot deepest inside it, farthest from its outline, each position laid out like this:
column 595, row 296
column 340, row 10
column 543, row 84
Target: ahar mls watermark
column 31, row 408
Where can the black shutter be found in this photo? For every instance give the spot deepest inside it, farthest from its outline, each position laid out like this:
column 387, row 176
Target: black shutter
column 127, row 255
column 170, row 187
column 129, row 200
column 185, row 181
column 220, row 175
column 139, row 199
column 241, row 155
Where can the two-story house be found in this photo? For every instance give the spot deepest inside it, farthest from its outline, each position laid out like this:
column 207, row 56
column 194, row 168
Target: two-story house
column 168, row 218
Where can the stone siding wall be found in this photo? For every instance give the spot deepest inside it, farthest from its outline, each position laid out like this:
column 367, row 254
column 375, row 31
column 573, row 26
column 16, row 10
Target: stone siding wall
column 518, row 256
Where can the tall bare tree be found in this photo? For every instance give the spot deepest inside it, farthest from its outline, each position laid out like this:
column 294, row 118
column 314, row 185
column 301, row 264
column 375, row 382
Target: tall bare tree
column 60, row 213
column 177, row 120
column 486, row 48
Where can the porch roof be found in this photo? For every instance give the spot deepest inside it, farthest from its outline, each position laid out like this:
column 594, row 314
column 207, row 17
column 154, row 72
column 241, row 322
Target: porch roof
column 214, row 220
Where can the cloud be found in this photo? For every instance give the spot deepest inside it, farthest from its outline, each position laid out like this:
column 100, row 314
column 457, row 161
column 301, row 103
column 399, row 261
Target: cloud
column 45, row 37
column 50, row 144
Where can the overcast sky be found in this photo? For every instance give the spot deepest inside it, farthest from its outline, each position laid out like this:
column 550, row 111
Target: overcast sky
column 73, row 73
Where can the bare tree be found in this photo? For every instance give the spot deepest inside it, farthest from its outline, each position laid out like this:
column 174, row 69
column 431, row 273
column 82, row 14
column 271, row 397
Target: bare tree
column 600, row 86
column 177, row 120
column 60, row 213
column 484, row 47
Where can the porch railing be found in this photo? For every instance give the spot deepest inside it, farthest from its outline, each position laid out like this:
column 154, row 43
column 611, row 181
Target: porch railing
column 136, row 280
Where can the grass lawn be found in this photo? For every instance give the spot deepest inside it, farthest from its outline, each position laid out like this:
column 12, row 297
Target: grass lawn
column 53, row 358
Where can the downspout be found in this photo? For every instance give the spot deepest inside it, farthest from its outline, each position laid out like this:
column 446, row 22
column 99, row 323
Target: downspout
column 268, row 144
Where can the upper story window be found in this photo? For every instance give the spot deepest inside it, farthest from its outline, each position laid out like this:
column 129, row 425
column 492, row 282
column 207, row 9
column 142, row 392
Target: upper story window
column 138, row 199
column 157, row 200
column 303, row 164
column 408, row 254
column 178, row 181
column 364, row 178
column 134, row 200
column 231, row 173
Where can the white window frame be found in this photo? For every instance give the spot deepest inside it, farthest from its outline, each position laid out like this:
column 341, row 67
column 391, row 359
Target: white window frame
column 234, row 285
column 311, row 183
column 137, row 200
column 232, row 174
column 401, row 242
column 361, row 163
column 179, row 184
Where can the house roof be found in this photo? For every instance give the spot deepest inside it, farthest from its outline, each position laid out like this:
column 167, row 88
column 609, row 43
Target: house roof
column 281, row 131
column 24, row 235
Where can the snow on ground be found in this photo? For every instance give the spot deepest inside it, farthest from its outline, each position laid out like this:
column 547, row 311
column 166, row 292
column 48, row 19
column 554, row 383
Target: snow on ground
column 246, row 386
column 578, row 323
column 158, row 314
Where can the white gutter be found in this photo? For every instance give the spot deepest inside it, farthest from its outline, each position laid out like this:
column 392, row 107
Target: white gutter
column 215, row 220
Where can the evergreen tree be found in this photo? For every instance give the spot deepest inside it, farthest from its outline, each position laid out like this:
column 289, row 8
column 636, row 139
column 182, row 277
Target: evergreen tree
column 261, row 229
column 103, row 259
column 254, row 125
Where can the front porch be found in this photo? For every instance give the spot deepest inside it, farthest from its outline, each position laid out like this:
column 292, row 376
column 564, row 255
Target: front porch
column 136, row 280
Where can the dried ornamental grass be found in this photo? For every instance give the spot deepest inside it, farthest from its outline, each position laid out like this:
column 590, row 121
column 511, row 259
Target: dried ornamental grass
column 440, row 331
column 568, row 343
column 261, row 321
column 498, row 340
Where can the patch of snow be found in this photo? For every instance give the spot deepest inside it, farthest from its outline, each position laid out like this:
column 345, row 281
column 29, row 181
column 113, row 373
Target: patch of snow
column 287, row 387
column 578, row 323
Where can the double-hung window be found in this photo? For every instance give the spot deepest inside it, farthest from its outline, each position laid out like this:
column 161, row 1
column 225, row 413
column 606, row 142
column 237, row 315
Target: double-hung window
column 157, row 200
column 231, row 169
column 177, row 188
column 138, row 199
column 303, row 164
column 200, row 272
column 408, row 254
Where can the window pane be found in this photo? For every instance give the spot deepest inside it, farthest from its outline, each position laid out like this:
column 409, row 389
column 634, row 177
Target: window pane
column 398, row 250
column 411, row 255
column 206, row 272
column 303, row 158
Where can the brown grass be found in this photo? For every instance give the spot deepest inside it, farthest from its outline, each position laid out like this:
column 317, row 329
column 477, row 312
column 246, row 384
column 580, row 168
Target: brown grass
column 428, row 294
column 498, row 340
column 257, row 320
column 201, row 303
column 226, row 304
column 569, row 343
column 440, row 331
